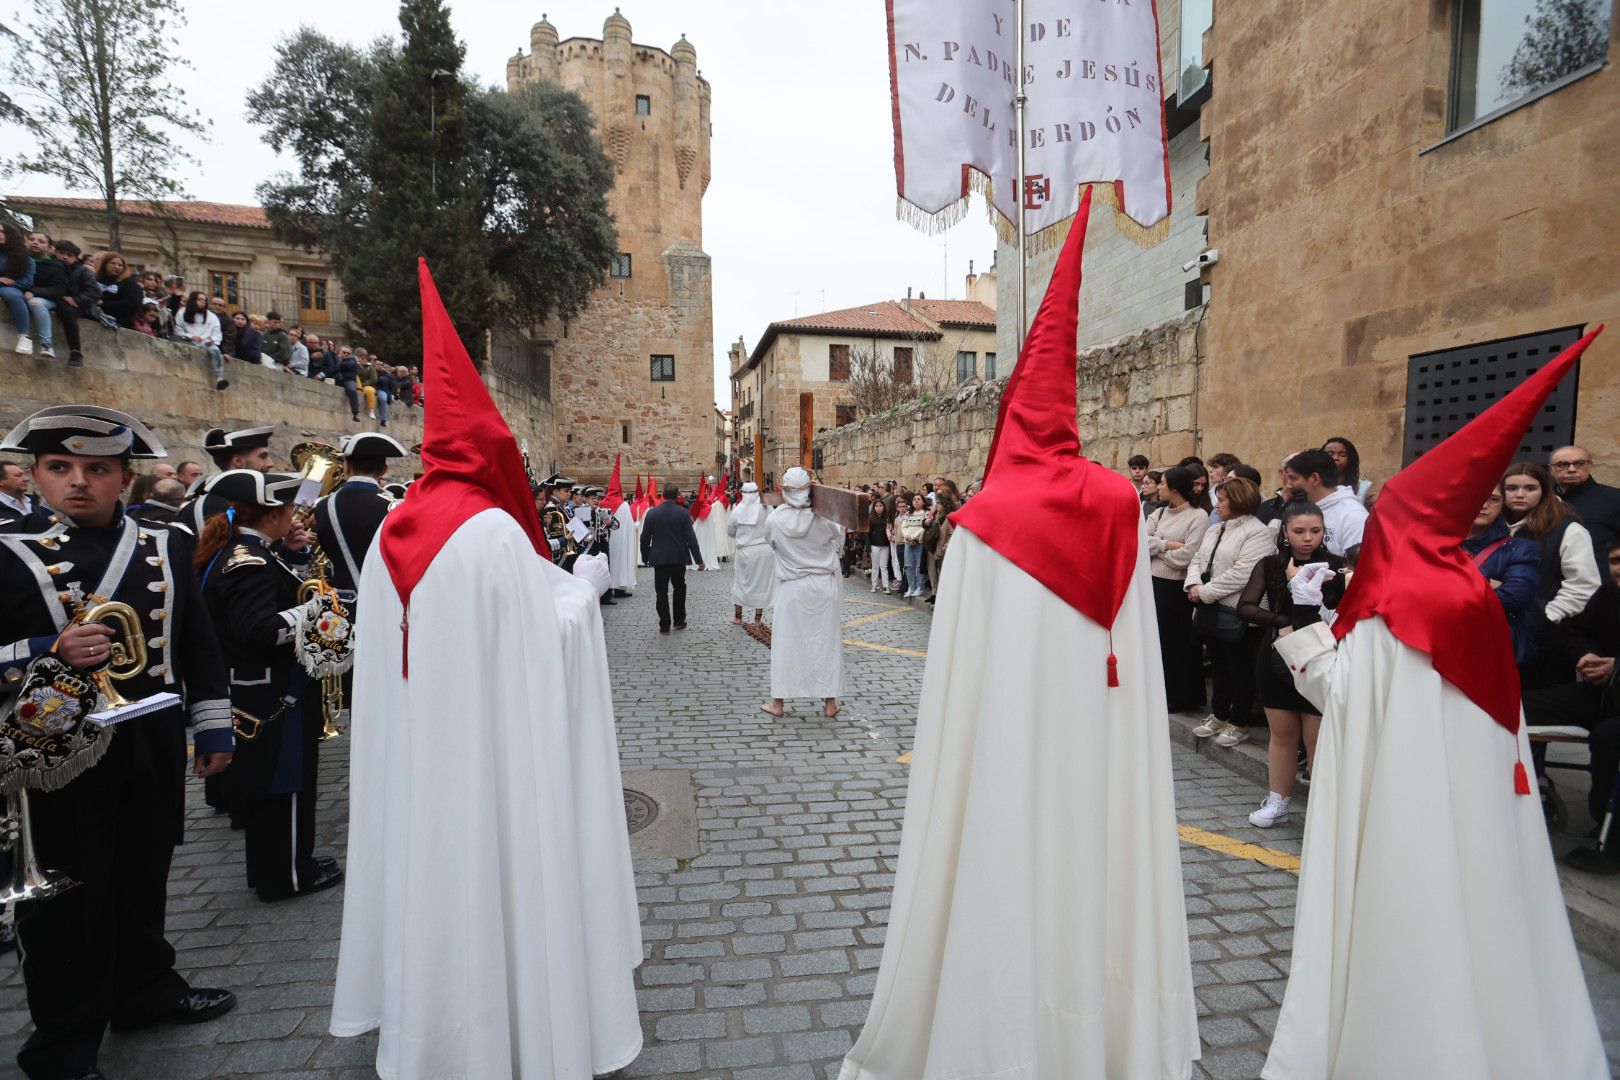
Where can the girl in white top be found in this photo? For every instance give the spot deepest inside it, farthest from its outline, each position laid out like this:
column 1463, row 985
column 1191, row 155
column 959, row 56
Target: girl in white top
column 196, row 325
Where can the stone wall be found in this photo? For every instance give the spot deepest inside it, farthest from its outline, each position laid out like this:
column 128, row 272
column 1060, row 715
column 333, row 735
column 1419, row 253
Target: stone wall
column 170, row 388
column 1138, row 394
column 1355, row 233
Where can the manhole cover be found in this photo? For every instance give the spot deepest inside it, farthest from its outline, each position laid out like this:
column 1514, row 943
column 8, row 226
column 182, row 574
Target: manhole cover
column 640, row 810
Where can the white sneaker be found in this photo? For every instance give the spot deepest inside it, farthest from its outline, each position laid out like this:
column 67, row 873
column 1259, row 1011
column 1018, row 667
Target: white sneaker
column 372, row 415
column 25, row 345
column 47, row 350
column 1232, row 736
column 1273, row 811
column 1212, row 725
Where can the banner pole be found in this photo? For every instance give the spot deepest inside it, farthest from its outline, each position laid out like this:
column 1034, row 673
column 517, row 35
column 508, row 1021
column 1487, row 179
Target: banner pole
column 1019, row 101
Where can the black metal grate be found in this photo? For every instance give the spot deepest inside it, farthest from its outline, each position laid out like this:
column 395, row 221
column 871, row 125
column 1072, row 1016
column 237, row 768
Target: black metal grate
column 1448, row 388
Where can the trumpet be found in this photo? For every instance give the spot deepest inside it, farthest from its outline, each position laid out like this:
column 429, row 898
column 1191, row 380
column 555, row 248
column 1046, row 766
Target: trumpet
column 128, row 654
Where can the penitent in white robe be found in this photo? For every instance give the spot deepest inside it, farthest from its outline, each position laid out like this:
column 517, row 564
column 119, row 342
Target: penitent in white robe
column 705, row 540
column 720, row 522
column 807, row 633
column 1430, row 936
column 489, row 917
column 622, row 543
column 754, row 582
column 1038, row 930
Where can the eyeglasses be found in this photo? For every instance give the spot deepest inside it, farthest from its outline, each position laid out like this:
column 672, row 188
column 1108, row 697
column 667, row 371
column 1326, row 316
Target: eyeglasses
column 1562, row 465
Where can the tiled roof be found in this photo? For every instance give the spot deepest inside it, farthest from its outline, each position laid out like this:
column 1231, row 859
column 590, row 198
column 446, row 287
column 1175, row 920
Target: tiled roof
column 201, row 213
column 956, row 313
column 882, row 319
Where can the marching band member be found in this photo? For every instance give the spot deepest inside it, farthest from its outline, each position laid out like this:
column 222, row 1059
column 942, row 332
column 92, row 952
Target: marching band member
column 253, row 598
column 96, row 954
column 348, row 519
column 248, row 448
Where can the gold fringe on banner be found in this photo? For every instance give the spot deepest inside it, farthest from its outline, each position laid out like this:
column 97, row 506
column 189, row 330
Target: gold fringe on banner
column 1141, row 235
column 1103, row 194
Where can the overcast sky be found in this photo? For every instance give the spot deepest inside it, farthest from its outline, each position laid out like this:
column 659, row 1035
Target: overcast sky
column 802, row 197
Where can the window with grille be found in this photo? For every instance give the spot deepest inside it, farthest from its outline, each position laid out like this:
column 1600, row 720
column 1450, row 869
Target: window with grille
column 838, row 363
column 643, row 105
column 1448, row 388
column 620, row 267
column 312, row 299
column 845, row 414
column 904, row 364
column 989, row 365
column 663, row 369
column 967, row 366
column 227, row 286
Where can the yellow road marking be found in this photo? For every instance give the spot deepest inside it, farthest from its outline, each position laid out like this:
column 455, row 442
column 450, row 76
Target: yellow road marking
column 1238, row 849
column 885, row 648
column 874, row 603
column 864, row 619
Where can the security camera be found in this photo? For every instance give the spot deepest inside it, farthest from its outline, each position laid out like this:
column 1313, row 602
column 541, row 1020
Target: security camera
column 1208, row 257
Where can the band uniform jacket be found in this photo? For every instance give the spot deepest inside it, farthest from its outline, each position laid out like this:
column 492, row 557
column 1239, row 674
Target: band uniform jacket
column 47, row 564
column 554, row 520
column 346, row 521
column 252, row 597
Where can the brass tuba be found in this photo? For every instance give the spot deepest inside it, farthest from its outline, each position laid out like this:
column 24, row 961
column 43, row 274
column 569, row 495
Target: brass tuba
column 321, row 466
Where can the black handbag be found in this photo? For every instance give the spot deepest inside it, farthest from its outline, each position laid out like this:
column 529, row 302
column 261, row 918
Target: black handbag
column 1217, row 622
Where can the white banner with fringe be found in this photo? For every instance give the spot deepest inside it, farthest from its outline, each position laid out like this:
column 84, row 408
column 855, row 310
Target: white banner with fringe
column 1095, row 110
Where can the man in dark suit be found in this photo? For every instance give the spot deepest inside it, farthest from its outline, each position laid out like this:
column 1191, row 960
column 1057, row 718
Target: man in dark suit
column 669, row 544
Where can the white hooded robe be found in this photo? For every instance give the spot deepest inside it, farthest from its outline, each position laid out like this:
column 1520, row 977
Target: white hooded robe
column 490, row 927
column 622, row 543
column 1038, row 930
column 1430, row 936
column 807, row 633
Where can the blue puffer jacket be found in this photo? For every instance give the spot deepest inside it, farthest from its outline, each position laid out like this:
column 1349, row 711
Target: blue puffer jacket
column 1517, row 565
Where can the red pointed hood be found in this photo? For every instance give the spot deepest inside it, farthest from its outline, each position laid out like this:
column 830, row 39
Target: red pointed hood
column 701, row 503
column 613, row 497
column 653, row 498
column 1068, row 522
column 1413, row 571
column 470, row 461
column 639, row 502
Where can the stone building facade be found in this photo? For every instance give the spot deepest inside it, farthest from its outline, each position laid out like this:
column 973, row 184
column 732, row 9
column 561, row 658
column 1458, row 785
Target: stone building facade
column 1136, row 395
column 796, row 383
column 223, row 249
column 1369, row 224
column 632, row 374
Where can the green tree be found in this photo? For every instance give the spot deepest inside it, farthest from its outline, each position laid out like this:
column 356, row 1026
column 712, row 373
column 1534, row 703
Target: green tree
column 542, row 180
column 95, row 94
column 399, row 155
column 1560, row 36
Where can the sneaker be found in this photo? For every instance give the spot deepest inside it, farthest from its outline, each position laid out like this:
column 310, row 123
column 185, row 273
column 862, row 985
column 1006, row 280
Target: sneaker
column 1274, row 811
column 1212, row 725
column 25, row 345
column 372, row 415
column 220, row 384
column 47, row 350
column 1232, row 736
column 75, row 359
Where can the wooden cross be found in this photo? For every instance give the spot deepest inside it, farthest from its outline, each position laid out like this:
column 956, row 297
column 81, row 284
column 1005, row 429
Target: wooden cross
column 851, row 509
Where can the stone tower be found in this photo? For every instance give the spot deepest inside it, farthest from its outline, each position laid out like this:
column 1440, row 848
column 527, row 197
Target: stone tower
column 634, row 372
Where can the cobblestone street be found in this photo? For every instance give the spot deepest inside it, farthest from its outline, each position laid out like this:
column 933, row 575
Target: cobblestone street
column 762, row 950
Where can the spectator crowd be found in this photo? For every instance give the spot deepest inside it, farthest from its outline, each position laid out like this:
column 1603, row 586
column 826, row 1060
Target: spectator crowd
column 45, row 280
column 1223, row 546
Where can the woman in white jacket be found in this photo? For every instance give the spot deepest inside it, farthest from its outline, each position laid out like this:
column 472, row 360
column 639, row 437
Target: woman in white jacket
column 1225, row 560
column 196, row 325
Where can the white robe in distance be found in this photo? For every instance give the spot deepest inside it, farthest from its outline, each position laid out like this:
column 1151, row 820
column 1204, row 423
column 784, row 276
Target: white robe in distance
column 622, row 544
column 1430, row 935
column 489, row 917
column 1038, row 929
column 754, row 582
column 807, row 633
column 720, row 522
column 705, row 541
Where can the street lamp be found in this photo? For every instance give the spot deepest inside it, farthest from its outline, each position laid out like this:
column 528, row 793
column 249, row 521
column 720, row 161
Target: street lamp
column 433, row 124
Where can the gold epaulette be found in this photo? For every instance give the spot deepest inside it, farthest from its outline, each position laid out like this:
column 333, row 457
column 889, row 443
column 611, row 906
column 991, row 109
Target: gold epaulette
column 242, row 555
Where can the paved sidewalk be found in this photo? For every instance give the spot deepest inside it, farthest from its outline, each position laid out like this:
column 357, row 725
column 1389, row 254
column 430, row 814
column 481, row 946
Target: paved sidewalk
column 762, row 950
